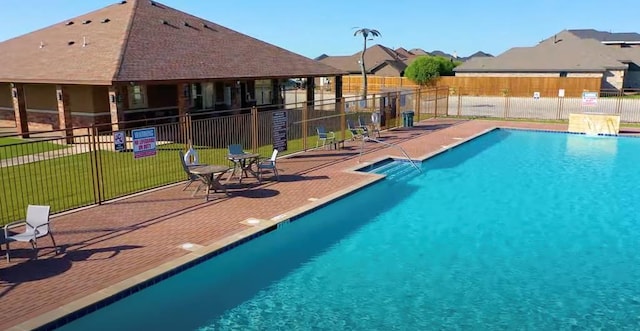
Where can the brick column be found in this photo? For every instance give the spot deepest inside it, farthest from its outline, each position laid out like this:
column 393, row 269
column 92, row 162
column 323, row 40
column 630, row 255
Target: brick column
column 64, row 113
column 311, row 93
column 115, row 108
column 20, row 109
column 338, row 89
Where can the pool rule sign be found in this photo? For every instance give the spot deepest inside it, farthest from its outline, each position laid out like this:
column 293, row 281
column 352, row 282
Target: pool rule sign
column 144, row 142
column 280, row 131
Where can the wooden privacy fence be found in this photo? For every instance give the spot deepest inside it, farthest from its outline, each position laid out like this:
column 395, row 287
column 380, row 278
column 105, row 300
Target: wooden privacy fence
column 488, row 86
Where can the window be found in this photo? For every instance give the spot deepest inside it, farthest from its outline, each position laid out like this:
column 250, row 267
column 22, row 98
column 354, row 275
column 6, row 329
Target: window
column 219, row 92
column 208, row 95
column 137, row 96
column 264, row 92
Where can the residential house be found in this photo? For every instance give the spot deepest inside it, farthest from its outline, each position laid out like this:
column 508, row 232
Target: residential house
column 613, row 57
column 384, row 61
column 379, row 60
column 140, row 59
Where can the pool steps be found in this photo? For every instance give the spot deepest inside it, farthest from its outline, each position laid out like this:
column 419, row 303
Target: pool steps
column 397, row 171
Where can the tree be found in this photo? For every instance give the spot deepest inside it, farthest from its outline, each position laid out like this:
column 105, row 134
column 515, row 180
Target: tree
column 366, row 33
column 424, row 70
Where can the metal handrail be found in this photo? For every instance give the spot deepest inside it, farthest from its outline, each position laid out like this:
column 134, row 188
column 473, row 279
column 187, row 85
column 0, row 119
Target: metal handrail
column 365, row 139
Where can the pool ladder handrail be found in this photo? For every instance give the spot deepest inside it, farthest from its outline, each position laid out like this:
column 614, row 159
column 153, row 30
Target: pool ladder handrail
column 365, row 139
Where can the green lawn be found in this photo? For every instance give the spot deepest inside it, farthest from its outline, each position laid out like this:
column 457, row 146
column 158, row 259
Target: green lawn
column 69, row 182
column 74, row 181
column 11, row 147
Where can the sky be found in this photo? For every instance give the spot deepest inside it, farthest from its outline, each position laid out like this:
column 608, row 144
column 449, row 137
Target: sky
column 311, row 28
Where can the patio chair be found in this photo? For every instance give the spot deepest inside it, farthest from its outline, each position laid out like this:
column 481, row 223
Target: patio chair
column 375, row 126
column 236, row 149
column 191, row 157
column 269, row 164
column 325, row 137
column 356, row 132
column 36, row 225
column 190, row 177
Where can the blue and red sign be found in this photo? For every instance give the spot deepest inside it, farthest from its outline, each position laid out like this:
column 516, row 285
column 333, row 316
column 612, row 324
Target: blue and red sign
column 144, row 142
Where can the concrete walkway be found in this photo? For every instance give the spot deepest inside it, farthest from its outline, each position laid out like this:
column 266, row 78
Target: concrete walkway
column 111, row 243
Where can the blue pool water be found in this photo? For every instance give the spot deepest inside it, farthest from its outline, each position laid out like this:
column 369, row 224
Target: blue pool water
column 513, row 230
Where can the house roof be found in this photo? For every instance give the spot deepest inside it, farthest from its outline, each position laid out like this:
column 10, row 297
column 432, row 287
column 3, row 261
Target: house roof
column 139, row 40
column 374, row 58
column 564, row 51
column 418, row 51
column 403, row 52
column 606, row 36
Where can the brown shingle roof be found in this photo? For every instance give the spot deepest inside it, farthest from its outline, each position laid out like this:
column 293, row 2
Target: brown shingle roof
column 146, row 41
column 375, row 56
column 559, row 53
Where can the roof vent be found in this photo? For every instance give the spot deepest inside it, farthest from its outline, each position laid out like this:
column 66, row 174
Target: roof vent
column 164, row 22
column 86, row 21
column 155, row 4
column 70, row 42
column 123, row 2
column 106, row 20
column 42, row 44
column 69, row 23
column 187, row 24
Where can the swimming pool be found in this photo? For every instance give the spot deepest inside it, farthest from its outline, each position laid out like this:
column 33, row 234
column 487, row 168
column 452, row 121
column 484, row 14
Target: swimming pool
column 513, row 230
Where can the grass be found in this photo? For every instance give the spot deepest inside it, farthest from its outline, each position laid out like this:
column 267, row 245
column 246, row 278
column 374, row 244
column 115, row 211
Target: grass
column 73, row 181
column 70, row 181
column 12, row 147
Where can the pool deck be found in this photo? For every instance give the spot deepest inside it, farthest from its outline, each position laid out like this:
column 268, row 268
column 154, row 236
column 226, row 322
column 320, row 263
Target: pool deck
column 112, row 246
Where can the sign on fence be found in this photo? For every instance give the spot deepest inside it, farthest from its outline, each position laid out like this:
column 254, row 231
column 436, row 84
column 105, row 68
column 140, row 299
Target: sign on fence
column 119, row 141
column 144, row 142
column 589, row 98
column 536, row 95
column 280, row 130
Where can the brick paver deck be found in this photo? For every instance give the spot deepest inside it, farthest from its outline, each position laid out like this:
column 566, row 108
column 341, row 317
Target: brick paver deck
column 106, row 244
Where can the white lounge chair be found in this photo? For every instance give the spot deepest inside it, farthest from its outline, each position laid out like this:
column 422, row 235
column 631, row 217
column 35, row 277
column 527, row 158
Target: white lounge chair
column 190, row 177
column 269, row 164
column 36, row 226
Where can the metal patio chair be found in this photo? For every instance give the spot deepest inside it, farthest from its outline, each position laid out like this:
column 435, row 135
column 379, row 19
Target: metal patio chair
column 269, row 164
column 36, row 225
column 325, row 137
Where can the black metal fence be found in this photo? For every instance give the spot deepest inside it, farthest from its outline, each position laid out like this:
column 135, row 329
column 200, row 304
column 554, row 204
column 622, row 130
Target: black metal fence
column 83, row 169
column 544, row 104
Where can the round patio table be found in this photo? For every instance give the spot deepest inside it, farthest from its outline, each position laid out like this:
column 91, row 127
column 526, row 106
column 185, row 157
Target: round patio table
column 243, row 163
column 207, row 174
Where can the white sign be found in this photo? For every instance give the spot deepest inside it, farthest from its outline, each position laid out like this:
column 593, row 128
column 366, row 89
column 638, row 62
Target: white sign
column 561, row 93
column 536, row 95
column 144, row 142
column 589, row 98
column 119, row 141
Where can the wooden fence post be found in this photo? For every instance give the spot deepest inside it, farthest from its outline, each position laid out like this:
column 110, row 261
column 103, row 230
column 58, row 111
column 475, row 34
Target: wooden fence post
column 459, row 91
column 446, row 102
column 435, row 113
column 418, row 103
column 254, row 129
column 305, row 125
column 398, row 109
column 343, row 118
